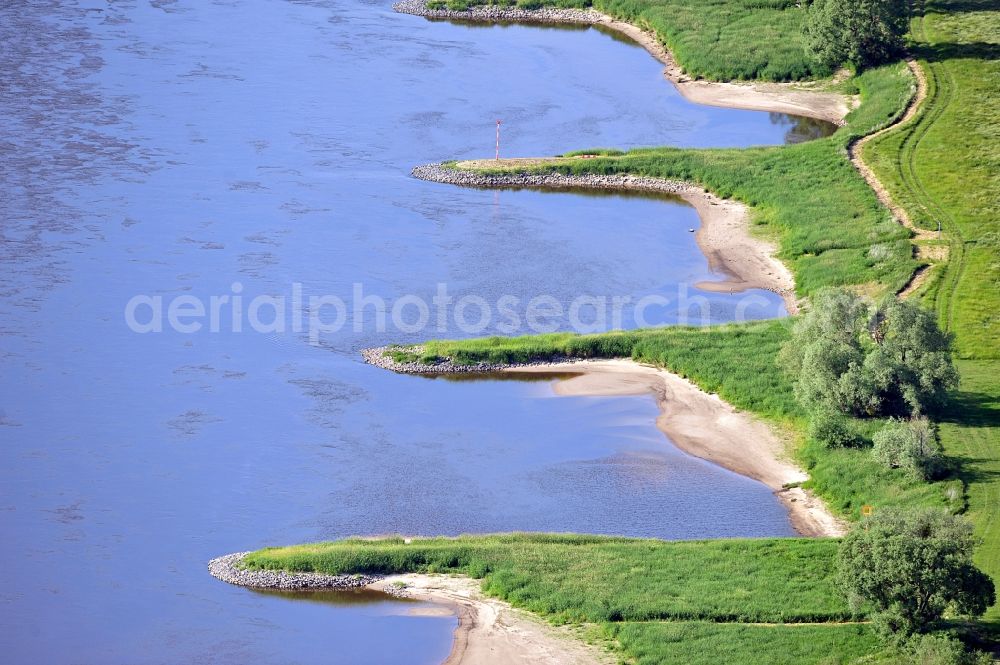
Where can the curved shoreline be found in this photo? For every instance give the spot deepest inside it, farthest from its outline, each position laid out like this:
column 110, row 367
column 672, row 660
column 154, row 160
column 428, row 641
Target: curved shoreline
column 791, row 98
column 697, row 422
column 724, row 236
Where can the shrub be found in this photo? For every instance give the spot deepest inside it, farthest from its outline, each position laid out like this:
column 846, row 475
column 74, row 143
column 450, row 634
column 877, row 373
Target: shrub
column 833, row 430
column 910, row 445
column 939, row 650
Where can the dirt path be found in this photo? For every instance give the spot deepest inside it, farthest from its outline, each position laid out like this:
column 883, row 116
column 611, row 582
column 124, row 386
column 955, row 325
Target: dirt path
column 854, row 150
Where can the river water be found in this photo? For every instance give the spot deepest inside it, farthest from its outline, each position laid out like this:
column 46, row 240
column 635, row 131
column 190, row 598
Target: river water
column 161, row 149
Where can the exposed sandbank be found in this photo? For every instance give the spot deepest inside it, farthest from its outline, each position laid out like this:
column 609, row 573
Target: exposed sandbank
column 747, row 262
column 792, row 98
column 705, row 426
column 490, row 630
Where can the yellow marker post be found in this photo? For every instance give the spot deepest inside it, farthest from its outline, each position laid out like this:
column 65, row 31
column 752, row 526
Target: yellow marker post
column 866, row 511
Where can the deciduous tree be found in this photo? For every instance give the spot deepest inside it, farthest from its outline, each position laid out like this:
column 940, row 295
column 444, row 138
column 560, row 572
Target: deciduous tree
column 862, row 33
column 909, row 567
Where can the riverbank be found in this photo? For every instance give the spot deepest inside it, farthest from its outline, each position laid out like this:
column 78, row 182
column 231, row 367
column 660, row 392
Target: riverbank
column 724, row 236
column 490, row 630
column 699, row 423
column 792, row 98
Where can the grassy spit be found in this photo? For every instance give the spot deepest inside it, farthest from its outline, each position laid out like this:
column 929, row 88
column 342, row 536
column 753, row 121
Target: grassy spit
column 691, row 602
column 650, row 600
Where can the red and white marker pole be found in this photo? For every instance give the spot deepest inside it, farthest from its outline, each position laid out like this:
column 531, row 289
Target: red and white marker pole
column 498, row 140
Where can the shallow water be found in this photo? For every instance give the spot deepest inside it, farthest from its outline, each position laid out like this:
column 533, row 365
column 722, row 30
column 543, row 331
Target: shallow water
column 168, row 149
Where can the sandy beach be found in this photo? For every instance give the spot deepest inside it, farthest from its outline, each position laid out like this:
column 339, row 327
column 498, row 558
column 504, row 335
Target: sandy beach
column 705, row 426
column 490, row 630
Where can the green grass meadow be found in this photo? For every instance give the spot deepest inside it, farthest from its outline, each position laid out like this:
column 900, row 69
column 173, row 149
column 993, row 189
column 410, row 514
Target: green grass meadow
column 944, row 167
column 596, row 579
column 706, row 643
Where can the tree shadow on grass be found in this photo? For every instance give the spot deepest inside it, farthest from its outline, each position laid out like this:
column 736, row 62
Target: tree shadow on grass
column 953, row 6
column 956, row 51
column 976, row 409
column 970, row 469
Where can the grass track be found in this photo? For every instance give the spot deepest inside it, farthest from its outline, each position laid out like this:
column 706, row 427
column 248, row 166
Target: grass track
column 943, row 167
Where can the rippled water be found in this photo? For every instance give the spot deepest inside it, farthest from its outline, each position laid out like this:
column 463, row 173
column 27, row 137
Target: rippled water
column 170, row 149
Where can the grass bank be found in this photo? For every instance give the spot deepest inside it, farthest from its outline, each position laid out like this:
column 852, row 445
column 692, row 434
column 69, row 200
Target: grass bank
column 593, row 579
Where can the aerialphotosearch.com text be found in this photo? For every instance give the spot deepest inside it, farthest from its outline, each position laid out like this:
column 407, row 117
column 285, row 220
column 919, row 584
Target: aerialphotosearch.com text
column 319, row 315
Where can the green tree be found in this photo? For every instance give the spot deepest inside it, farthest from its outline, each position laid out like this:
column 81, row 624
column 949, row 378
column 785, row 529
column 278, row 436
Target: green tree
column 849, row 356
column 909, row 341
column 863, row 33
column 825, row 345
column 910, row 567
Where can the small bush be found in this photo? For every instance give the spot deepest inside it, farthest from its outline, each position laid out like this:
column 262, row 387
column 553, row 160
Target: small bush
column 910, row 445
column 833, row 430
column 940, row 650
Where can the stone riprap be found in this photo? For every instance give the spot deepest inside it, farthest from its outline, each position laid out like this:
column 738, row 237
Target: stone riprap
column 614, row 182
column 228, row 569
column 380, row 357
column 498, row 14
